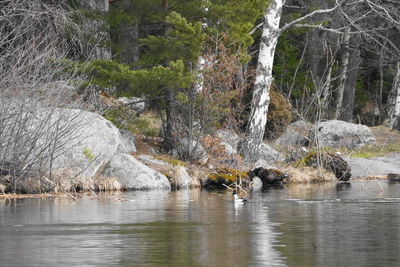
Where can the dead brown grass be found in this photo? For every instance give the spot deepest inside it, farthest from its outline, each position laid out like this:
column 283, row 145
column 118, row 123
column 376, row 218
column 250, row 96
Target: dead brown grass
column 308, row 175
column 20, row 196
column 65, row 180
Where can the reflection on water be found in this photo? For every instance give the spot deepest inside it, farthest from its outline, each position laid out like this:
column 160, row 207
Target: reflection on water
column 314, row 225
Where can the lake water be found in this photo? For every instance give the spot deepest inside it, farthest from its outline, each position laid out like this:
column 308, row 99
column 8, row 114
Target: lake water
column 355, row 224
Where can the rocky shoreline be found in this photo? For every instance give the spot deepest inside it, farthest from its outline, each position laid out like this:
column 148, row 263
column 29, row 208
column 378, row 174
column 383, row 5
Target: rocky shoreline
column 97, row 156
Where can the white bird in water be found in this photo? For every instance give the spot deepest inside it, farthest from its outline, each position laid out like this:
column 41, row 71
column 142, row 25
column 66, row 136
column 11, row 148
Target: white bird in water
column 238, row 199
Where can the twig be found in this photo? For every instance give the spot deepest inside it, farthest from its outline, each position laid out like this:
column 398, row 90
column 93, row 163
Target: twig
column 69, row 195
column 228, row 187
column 379, row 185
column 92, row 192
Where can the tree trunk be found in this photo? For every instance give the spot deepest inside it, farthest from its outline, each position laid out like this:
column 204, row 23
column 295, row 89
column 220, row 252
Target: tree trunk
column 170, row 127
column 394, row 114
column 126, row 35
column 326, row 92
column 350, row 87
column 97, row 32
column 263, row 80
column 343, row 75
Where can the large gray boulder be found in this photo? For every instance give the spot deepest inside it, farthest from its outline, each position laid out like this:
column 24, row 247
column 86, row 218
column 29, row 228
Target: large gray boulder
column 128, row 142
column 269, row 154
column 185, row 148
column 134, row 175
column 134, row 103
column 229, row 150
column 90, row 144
column 228, row 137
column 335, row 133
column 296, row 134
column 229, row 141
column 177, row 174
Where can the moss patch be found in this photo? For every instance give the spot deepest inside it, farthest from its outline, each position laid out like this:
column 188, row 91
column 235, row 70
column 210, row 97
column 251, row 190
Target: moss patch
column 225, row 176
column 172, row 161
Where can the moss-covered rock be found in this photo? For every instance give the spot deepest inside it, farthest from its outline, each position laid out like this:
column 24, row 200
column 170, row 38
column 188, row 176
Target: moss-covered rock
column 269, row 177
column 329, row 161
column 225, row 176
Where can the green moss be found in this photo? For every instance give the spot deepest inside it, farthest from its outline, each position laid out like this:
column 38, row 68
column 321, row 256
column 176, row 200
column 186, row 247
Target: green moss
column 368, row 151
column 305, row 160
column 88, row 154
column 374, row 151
column 174, row 162
column 227, row 176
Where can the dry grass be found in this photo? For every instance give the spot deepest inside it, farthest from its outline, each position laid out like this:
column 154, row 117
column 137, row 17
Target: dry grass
column 370, row 177
column 307, row 175
column 65, row 180
column 20, row 196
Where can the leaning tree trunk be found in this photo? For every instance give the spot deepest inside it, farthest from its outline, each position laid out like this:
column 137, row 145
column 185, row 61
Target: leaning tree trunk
column 343, row 75
column 263, row 80
column 394, row 114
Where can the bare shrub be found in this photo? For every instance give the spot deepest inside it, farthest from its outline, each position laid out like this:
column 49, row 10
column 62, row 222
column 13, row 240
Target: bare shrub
column 35, row 39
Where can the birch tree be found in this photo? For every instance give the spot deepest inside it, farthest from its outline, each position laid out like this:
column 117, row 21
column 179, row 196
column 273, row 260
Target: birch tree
column 263, row 80
column 369, row 18
column 343, row 75
column 394, row 116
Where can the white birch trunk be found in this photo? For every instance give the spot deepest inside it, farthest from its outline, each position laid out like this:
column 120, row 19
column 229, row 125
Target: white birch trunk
column 394, row 117
column 343, row 78
column 263, row 80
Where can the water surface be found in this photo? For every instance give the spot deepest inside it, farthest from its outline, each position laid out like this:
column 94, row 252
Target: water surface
column 353, row 224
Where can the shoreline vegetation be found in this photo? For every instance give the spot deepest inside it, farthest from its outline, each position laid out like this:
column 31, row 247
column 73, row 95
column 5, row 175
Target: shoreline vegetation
column 137, row 95
column 96, row 194
column 216, row 169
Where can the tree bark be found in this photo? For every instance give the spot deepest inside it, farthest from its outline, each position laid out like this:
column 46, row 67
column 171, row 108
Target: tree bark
column 170, row 127
column 126, row 35
column 350, row 87
column 394, row 116
column 98, row 35
column 263, row 80
column 343, row 75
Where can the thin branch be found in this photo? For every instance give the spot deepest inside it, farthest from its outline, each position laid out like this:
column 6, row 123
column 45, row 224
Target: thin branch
column 312, row 14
